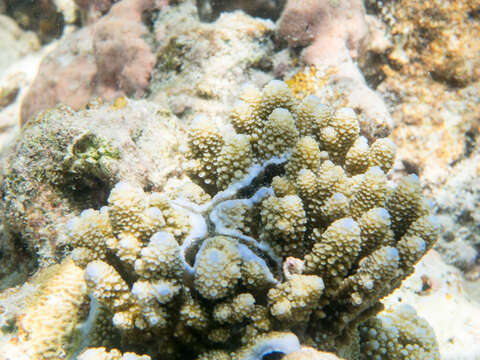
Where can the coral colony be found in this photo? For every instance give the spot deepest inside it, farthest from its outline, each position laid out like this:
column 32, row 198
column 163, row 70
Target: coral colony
column 292, row 237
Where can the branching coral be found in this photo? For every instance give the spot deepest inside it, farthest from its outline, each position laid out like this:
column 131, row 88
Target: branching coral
column 334, row 34
column 412, row 337
column 301, row 238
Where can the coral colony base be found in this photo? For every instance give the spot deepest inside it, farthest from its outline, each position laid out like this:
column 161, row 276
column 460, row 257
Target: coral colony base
column 289, row 241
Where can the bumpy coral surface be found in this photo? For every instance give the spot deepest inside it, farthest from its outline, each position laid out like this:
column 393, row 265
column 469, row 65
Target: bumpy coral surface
column 399, row 333
column 106, row 59
column 47, row 326
column 432, row 83
column 299, row 238
column 67, row 157
column 103, row 354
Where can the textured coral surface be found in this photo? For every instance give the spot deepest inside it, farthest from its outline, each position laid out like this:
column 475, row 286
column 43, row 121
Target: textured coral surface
column 433, row 89
column 47, row 322
column 66, row 161
column 271, row 228
column 106, row 59
column 438, row 293
column 300, row 239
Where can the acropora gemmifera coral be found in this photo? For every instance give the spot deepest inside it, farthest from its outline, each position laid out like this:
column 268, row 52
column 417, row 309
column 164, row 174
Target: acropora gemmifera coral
column 297, row 237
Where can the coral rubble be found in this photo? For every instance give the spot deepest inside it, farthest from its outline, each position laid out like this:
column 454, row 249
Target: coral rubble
column 299, row 237
column 432, row 81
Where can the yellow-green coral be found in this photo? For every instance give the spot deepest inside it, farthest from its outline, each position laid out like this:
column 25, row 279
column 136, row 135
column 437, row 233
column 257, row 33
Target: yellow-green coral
column 124, row 229
column 296, row 298
column 382, row 154
column 370, row 192
column 54, row 312
column 235, row 310
column 205, row 143
column 110, row 289
column 102, row 354
column 89, row 233
column 357, row 158
column 218, row 268
column 234, row 160
column 334, row 252
column 375, row 230
column 283, row 224
column 398, row 334
column 160, row 258
column 278, row 134
column 302, row 235
column 129, row 212
column 306, row 155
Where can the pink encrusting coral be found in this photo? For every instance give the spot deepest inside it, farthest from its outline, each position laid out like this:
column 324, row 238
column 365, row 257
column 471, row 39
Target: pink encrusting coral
column 124, row 60
column 106, row 59
column 334, row 34
column 332, row 30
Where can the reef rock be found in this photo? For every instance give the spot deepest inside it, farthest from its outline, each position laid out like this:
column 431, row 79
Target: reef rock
column 65, row 160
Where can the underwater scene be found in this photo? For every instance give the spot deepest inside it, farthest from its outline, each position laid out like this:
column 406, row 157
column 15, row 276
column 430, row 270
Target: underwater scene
column 239, row 179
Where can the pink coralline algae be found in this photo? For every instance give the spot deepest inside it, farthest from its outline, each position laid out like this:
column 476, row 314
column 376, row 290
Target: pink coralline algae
column 107, row 59
column 331, row 30
column 95, row 8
